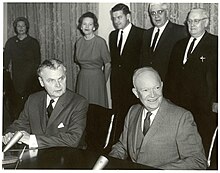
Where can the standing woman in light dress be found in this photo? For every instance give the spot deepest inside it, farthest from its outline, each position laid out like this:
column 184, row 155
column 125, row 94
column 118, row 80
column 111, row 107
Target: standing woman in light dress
column 93, row 58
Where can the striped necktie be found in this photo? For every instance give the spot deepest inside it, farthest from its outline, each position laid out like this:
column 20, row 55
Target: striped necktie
column 147, row 123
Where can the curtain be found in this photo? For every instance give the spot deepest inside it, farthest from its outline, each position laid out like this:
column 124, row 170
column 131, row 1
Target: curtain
column 54, row 25
column 178, row 13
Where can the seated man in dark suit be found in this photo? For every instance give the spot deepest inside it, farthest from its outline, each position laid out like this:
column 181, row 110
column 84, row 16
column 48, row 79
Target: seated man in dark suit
column 46, row 123
column 167, row 138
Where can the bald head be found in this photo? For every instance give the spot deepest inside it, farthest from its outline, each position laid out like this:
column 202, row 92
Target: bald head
column 200, row 11
column 148, row 87
column 145, row 73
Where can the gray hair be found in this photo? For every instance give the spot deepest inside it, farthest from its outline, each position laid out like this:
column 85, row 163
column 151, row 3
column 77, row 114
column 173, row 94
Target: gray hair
column 165, row 6
column 203, row 12
column 51, row 64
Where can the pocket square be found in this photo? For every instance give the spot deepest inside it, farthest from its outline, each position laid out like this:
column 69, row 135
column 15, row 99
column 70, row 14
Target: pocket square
column 61, row 125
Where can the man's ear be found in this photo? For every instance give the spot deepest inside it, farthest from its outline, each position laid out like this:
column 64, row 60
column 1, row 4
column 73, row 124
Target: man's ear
column 41, row 81
column 161, row 84
column 206, row 23
column 129, row 17
column 135, row 92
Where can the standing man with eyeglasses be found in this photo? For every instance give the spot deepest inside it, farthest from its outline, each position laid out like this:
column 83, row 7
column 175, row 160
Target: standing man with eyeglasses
column 159, row 40
column 125, row 47
column 192, row 74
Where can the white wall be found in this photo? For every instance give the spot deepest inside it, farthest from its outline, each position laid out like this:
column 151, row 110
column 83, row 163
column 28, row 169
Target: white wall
column 105, row 23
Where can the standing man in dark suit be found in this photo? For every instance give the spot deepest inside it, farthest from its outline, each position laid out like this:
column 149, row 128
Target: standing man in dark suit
column 157, row 46
column 125, row 47
column 157, row 132
column 54, row 117
column 192, row 75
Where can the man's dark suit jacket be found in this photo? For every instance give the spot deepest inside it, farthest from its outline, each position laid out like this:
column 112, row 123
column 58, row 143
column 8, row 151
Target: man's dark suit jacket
column 65, row 126
column 194, row 84
column 124, row 65
column 159, row 60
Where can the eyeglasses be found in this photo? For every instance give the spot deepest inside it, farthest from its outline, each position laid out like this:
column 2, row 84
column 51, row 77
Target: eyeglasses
column 154, row 13
column 195, row 21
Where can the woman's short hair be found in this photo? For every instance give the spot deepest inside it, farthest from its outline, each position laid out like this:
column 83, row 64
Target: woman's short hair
column 90, row 15
column 18, row 19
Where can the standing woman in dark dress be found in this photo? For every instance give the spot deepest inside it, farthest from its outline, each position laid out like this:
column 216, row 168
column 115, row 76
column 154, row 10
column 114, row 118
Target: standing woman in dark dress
column 21, row 59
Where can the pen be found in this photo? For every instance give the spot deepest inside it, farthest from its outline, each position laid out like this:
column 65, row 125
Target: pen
column 20, row 157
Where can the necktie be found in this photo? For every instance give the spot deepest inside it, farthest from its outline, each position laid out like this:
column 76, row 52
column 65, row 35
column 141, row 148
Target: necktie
column 50, row 108
column 190, row 48
column 120, row 42
column 155, row 39
column 147, row 123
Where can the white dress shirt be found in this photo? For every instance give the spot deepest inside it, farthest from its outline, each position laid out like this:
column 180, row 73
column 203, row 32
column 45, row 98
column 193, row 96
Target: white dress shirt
column 194, row 46
column 144, row 113
column 160, row 33
column 126, row 31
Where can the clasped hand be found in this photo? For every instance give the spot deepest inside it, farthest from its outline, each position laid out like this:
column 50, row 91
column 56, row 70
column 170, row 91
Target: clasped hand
column 25, row 138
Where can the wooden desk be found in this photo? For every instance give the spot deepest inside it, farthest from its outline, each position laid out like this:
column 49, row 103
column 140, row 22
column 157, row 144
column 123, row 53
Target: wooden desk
column 70, row 158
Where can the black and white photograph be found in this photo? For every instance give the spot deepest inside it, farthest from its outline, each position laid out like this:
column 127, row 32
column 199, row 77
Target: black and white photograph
column 130, row 85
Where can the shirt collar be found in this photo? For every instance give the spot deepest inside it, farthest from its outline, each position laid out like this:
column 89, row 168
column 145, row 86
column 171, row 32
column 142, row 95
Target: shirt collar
column 127, row 29
column 162, row 27
column 198, row 38
column 154, row 112
column 48, row 100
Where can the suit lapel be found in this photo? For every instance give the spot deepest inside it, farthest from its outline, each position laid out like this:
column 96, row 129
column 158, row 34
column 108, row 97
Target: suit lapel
column 164, row 35
column 137, row 122
column 158, row 121
column 115, row 38
column 200, row 46
column 57, row 109
column 131, row 36
column 43, row 114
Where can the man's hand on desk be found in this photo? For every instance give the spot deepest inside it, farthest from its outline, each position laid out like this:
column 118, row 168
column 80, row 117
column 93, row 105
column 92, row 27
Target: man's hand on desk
column 7, row 137
column 25, row 139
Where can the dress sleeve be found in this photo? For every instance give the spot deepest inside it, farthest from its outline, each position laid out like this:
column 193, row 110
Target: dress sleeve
column 105, row 52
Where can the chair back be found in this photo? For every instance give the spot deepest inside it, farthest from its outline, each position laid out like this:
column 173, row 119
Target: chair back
column 100, row 128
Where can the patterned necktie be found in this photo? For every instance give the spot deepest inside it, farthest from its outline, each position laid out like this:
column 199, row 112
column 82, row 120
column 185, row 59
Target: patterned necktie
column 147, row 123
column 155, row 39
column 120, row 42
column 50, row 108
column 190, row 48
